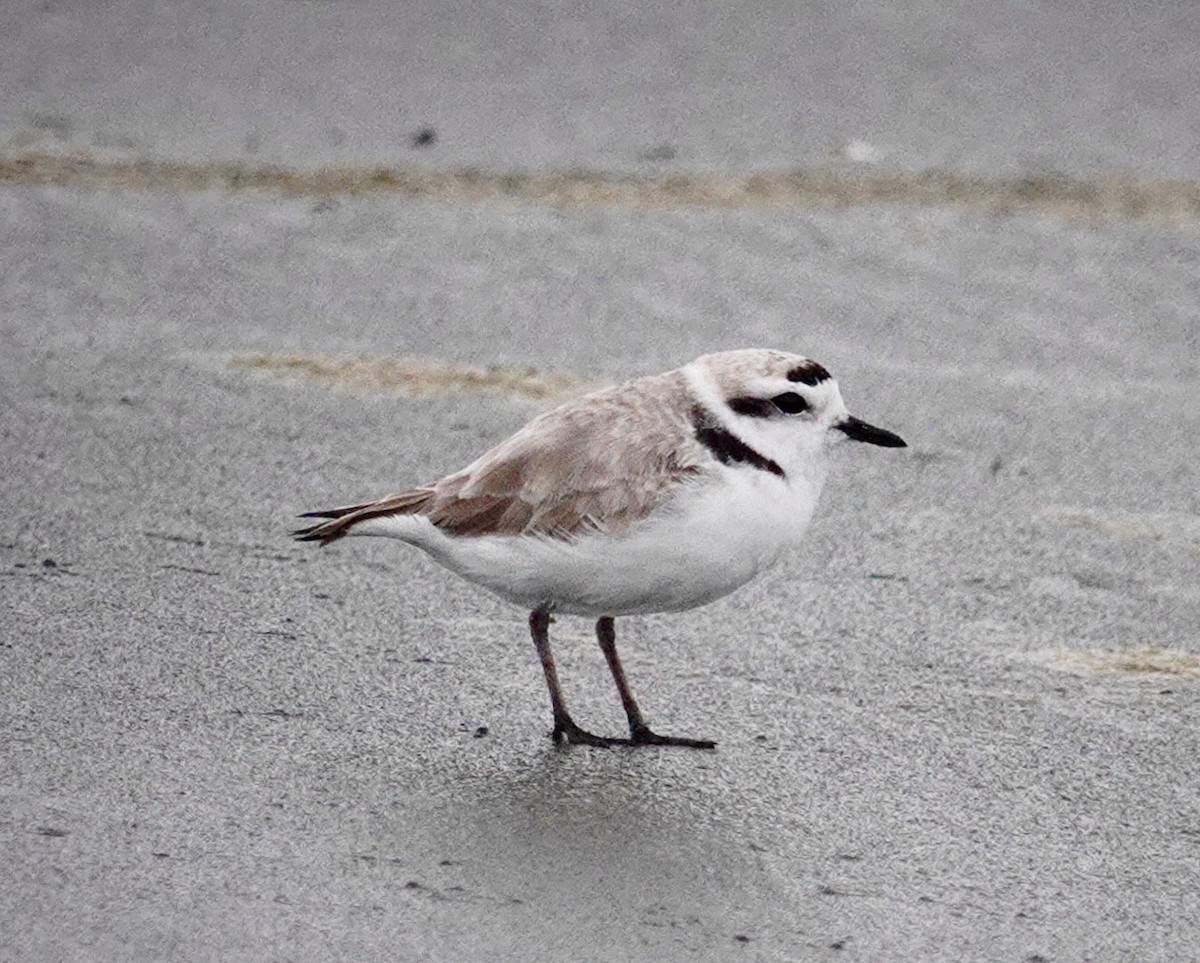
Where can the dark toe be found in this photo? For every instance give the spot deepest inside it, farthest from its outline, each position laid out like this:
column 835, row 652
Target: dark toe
column 571, row 734
column 646, row 737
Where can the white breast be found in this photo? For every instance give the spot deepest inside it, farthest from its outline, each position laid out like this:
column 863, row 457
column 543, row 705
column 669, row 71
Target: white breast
column 718, row 534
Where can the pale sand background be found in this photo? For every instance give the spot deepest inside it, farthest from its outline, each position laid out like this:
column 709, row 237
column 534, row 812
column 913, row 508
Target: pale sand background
column 960, row 723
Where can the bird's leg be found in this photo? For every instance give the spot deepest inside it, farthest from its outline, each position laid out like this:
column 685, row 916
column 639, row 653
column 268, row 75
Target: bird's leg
column 564, row 725
column 639, row 732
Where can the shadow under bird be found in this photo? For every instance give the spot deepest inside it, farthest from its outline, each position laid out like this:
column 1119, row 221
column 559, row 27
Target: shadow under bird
column 658, row 495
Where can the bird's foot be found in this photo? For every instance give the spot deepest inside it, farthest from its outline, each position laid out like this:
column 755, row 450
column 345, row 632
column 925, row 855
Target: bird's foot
column 566, row 731
column 642, row 736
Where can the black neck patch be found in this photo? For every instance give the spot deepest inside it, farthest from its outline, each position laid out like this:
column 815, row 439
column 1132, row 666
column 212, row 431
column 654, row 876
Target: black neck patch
column 727, row 447
column 809, row 373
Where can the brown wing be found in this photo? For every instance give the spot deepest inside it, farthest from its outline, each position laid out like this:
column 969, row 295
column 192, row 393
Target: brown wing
column 600, row 463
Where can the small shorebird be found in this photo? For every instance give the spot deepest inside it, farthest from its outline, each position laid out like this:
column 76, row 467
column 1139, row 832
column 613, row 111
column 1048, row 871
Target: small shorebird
column 657, row 495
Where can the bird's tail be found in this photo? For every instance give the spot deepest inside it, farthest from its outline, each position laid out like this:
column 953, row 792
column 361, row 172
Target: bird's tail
column 341, row 521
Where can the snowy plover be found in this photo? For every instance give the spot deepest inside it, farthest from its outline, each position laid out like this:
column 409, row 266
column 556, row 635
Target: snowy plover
column 657, row 495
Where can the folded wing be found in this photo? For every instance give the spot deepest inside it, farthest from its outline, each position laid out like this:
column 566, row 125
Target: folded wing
column 601, row 463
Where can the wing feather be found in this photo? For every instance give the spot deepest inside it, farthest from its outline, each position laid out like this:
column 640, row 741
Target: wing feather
column 600, row 463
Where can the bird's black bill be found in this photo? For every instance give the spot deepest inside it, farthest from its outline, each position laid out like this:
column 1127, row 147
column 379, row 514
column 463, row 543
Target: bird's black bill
column 859, row 430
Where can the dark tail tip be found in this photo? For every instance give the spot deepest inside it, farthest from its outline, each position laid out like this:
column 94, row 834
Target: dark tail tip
column 323, row 532
column 329, row 513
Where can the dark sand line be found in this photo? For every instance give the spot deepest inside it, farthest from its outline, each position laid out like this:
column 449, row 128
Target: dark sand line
column 1097, row 198
column 413, row 377
column 1146, row 660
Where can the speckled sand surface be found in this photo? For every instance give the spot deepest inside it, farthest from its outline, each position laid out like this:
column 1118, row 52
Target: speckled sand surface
column 961, row 722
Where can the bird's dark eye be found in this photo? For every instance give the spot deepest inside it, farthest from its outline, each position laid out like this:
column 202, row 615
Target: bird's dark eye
column 790, row 403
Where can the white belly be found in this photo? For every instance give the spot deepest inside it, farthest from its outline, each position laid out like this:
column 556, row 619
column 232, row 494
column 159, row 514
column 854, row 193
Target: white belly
column 711, row 541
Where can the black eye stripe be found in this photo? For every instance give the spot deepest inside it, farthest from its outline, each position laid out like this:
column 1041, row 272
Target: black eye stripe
column 753, row 407
column 790, row 403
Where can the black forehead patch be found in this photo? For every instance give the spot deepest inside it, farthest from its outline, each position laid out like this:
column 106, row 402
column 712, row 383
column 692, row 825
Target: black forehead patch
column 809, row 373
